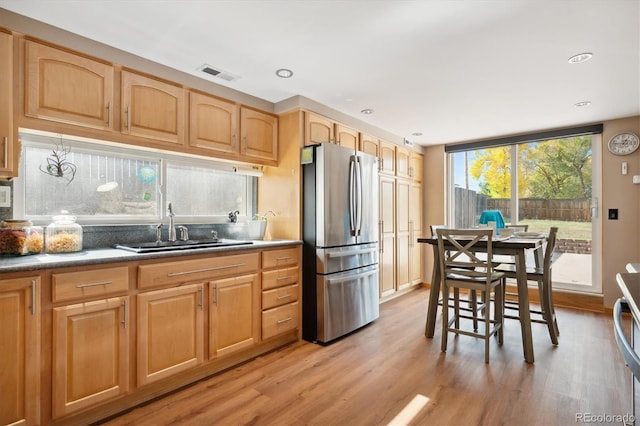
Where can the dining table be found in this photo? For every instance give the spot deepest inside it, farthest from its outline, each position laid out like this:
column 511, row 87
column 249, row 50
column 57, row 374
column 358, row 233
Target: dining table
column 512, row 246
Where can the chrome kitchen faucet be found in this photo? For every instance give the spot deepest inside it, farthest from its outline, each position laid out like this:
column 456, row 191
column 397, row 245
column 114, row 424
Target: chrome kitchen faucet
column 172, row 226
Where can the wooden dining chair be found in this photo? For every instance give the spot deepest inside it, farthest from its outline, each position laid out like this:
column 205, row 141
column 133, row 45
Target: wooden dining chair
column 462, row 269
column 518, row 228
column 542, row 275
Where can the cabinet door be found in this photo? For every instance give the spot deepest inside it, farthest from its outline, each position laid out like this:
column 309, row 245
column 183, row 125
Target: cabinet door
column 68, row 88
column 90, row 354
column 259, row 132
column 318, row 129
column 6, row 106
column 369, row 144
column 346, row 136
column 387, row 158
column 213, row 123
column 387, row 236
column 403, row 231
column 20, row 353
column 170, row 331
column 415, row 166
column 153, row 109
column 234, row 314
column 402, row 162
column 415, row 222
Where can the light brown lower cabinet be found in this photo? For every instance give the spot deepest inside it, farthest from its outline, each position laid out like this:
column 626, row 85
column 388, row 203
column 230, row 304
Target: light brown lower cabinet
column 20, row 351
column 90, row 353
column 234, row 321
column 116, row 335
column 170, row 331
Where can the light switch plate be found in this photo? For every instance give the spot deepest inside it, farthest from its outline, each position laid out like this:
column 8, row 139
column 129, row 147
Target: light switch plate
column 636, row 179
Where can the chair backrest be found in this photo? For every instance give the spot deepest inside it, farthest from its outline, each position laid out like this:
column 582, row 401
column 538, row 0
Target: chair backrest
column 457, row 250
column 548, row 251
column 434, row 227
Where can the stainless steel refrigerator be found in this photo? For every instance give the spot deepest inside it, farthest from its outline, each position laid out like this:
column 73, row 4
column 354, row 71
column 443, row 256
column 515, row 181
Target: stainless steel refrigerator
column 340, row 233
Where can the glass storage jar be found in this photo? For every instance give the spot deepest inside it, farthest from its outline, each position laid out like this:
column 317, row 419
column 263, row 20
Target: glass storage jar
column 63, row 235
column 20, row 237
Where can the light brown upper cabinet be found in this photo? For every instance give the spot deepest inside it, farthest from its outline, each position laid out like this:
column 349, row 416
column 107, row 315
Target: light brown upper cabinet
column 318, row 129
column 6, row 106
column 369, row 144
column 346, row 136
column 153, row 109
column 213, row 123
column 68, row 88
column 415, row 166
column 258, row 135
column 402, row 162
column 387, row 158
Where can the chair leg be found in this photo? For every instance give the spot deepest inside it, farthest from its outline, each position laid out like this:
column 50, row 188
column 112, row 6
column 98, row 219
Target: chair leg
column 445, row 317
column 487, row 325
column 456, row 306
column 548, row 313
column 473, row 301
column 499, row 309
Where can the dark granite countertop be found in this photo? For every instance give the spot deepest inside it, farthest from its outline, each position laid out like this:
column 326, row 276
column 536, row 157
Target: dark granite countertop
column 109, row 255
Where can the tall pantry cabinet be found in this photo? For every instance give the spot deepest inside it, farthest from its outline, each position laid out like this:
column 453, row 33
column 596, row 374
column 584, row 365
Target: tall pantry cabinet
column 400, row 219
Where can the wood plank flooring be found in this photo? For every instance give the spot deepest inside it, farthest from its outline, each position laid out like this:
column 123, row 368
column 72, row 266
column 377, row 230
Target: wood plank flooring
column 389, row 373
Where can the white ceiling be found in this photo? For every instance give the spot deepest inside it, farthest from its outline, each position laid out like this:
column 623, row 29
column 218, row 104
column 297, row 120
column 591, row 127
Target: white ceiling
column 453, row 70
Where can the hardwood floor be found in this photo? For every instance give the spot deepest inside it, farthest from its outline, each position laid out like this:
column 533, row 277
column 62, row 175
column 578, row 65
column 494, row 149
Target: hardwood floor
column 390, row 369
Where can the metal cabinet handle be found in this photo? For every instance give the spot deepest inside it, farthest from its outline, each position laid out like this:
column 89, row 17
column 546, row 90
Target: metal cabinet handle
column 195, row 271
column 201, row 303
column 381, row 231
column 108, row 113
column 33, row 297
column 6, row 152
column 128, row 118
column 278, row 259
column 125, row 313
column 288, row 277
column 94, row 284
column 215, row 294
column 246, row 144
column 284, row 296
column 284, row 320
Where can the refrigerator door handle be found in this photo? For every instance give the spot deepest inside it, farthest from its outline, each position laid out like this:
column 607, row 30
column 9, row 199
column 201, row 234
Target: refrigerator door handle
column 358, row 197
column 352, row 277
column 352, row 196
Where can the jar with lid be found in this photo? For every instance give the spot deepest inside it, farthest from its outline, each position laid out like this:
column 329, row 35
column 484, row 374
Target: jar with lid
column 63, row 235
column 20, row 237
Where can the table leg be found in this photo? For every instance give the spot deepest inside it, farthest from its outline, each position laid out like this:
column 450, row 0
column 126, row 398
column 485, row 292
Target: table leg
column 523, row 306
column 434, row 294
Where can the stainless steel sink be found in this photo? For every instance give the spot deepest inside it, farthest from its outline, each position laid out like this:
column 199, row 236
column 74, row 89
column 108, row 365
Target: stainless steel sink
column 179, row 245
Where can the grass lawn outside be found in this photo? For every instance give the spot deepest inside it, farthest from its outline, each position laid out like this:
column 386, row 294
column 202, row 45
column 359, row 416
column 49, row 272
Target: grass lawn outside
column 566, row 230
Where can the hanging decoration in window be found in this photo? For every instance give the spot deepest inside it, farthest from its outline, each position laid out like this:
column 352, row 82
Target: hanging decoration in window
column 57, row 164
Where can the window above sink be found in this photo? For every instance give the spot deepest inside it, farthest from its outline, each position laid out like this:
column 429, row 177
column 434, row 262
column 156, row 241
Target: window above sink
column 113, row 184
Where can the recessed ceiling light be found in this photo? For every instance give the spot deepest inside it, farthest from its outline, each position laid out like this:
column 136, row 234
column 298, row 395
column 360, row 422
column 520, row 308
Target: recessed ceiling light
column 416, row 134
column 582, row 104
column 367, row 111
column 284, row 73
column 580, row 58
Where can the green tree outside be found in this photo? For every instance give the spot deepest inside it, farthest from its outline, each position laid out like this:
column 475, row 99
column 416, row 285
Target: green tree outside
column 557, row 168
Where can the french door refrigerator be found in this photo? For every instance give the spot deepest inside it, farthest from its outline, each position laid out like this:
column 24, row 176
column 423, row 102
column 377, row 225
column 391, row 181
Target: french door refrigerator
column 340, row 235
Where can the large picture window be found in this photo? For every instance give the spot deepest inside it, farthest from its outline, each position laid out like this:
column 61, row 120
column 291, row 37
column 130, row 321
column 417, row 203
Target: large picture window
column 106, row 184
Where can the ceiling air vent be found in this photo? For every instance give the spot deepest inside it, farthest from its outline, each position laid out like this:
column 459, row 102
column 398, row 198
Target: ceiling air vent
column 218, row 73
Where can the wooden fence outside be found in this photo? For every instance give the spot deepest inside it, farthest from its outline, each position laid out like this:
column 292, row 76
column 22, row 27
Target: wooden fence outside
column 469, row 206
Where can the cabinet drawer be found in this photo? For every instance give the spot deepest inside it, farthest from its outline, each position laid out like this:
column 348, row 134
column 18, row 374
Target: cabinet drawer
column 280, row 277
column 89, row 284
column 188, row 270
column 280, row 296
column 280, row 258
column 280, row 320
